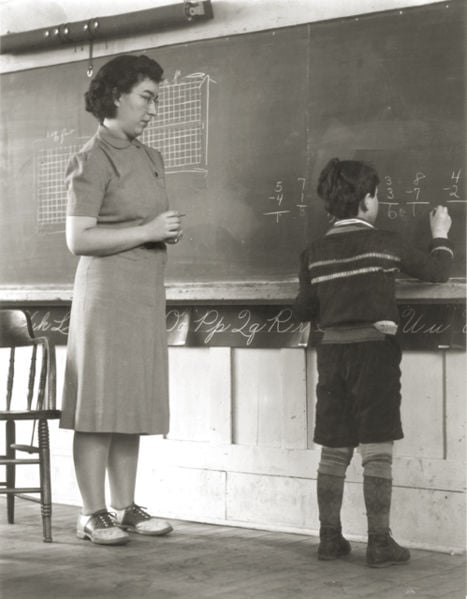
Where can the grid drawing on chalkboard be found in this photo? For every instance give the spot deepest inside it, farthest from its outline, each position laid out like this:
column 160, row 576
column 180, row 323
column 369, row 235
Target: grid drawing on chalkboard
column 51, row 197
column 180, row 130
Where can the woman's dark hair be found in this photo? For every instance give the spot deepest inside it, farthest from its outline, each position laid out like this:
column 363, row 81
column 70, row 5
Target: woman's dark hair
column 116, row 77
column 344, row 183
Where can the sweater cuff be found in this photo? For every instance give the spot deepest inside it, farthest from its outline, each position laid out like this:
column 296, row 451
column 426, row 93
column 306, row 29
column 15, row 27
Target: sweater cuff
column 441, row 244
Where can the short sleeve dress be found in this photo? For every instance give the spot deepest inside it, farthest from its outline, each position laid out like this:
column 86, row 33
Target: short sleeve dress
column 116, row 375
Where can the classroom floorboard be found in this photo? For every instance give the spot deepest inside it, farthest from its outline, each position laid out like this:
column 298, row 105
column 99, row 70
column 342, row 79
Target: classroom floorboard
column 203, row 561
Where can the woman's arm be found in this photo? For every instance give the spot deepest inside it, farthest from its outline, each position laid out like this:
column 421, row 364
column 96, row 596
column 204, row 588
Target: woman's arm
column 85, row 237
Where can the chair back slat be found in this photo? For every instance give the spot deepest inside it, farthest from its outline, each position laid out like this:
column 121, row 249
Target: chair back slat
column 10, row 379
column 42, row 381
column 32, row 376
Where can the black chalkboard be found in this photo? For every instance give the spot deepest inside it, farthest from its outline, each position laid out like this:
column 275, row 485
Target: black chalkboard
column 246, row 123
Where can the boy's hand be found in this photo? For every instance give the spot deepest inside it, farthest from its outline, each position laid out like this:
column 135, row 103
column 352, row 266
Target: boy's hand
column 440, row 222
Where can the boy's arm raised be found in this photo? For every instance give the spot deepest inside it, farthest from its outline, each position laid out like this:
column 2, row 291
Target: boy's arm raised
column 434, row 266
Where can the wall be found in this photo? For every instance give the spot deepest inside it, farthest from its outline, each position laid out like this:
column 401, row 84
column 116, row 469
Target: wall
column 231, row 17
column 240, row 449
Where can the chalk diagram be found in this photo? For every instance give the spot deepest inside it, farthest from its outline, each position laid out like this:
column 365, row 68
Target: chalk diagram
column 51, row 158
column 179, row 132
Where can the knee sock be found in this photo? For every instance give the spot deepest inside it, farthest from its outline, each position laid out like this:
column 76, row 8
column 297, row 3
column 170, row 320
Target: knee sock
column 377, row 485
column 330, row 484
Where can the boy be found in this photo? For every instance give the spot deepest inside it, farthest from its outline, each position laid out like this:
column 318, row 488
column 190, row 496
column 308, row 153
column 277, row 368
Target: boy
column 347, row 285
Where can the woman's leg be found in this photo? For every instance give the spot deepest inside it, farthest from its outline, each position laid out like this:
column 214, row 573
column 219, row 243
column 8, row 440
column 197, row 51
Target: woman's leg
column 90, row 454
column 122, row 467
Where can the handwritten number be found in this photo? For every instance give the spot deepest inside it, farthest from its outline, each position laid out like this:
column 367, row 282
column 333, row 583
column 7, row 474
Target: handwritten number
column 389, row 189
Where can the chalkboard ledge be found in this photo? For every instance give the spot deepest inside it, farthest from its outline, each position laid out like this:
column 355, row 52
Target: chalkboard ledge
column 264, row 292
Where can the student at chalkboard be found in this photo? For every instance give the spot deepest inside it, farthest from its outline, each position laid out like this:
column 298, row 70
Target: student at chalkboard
column 347, row 287
column 118, row 222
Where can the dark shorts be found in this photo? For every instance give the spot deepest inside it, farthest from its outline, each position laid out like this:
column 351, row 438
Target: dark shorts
column 358, row 393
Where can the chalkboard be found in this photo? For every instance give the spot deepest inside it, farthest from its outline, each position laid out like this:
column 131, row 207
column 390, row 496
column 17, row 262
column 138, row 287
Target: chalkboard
column 245, row 125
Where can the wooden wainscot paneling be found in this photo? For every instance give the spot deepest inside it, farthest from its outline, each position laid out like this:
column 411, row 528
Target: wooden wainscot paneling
column 273, row 501
column 190, row 386
column 189, row 494
column 455, row 414
column 422, row 405
column 269, row 398
column 200, row 394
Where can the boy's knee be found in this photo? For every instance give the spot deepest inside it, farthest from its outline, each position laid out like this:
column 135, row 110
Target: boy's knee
column 334, row 460
column 377, row 459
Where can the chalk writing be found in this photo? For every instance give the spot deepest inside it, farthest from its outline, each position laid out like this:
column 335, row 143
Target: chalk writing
column 389, row 188
column 212, row 323
column 422, row 326
column 415, row 324
column 248, row 324
column 50, row 322
column 59, row 135
column 176, row 320
column 177, row 325
column 301, row 202
column 405, row 200
column 279, row 197
column 453, row 188
column 413, row 197
column 416, row 191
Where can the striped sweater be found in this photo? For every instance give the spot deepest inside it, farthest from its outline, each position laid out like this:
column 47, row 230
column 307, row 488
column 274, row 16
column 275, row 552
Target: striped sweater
column 348, row 276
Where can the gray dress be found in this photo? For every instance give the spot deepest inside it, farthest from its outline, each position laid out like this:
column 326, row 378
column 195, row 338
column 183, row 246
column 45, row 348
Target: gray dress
column 116, row 377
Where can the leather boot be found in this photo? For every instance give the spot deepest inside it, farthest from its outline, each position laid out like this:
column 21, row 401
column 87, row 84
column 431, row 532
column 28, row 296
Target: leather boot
column 332, row 544
column 382, row 549
column 330, row 492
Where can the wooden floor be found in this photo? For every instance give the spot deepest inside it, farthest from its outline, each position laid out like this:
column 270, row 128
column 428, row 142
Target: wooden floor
column 200, row 561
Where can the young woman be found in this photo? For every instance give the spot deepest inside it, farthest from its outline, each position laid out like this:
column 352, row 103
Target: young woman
column 118, row 222
column 347, row 285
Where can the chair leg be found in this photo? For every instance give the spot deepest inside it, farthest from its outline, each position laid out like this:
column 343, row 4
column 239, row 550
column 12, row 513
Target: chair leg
column 10, row 469
column 46, row 490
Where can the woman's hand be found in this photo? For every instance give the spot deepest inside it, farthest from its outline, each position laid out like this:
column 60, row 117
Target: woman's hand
column 166, row 227
column 440, row 222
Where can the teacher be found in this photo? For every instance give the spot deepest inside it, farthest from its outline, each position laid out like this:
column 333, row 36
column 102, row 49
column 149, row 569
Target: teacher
column 118, row 222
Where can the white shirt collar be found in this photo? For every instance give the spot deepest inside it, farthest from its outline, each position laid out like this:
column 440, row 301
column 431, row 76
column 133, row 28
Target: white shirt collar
column 352, row 221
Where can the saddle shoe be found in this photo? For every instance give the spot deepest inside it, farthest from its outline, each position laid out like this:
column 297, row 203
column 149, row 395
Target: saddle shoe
column 101, row 528
column 134, row 518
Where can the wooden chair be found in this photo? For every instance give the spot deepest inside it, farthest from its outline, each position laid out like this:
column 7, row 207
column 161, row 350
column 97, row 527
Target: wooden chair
column 36, row 405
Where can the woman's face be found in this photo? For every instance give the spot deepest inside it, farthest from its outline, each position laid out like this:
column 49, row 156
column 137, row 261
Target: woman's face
column 136, row 108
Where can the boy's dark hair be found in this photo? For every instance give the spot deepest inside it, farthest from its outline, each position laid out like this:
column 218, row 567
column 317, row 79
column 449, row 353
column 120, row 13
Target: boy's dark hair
column 343, row 184
column 116, row 77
